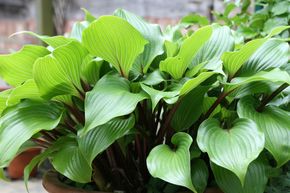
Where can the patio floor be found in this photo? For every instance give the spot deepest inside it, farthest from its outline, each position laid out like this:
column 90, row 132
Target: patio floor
column 35, row 186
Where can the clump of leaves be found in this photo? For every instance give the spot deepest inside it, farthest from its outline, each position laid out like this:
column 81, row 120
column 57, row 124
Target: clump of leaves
column 267, row 14
column 126, row 106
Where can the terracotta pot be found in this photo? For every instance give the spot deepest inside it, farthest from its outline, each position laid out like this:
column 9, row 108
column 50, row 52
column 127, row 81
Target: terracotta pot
column 52, row 184
column 16, row 167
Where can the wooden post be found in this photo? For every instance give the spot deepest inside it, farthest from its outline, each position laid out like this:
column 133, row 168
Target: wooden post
column 45, row 25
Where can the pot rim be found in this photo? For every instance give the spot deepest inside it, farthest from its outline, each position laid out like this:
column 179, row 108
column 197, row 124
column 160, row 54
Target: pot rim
column 52, row 184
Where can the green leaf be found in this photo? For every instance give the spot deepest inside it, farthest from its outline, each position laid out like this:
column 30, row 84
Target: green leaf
column 274, row 123
column 88, row 16
column 189, row 109
column 151, row 32
column 210, row 54
column 234, row 148
column 91, row 69
column 22, row 121
column 171, row 48
column 255, row 180
column 2, row 175
column 3, row 99
column 69, row 160
column 60, row 72
column 16, row 68
column 119, row 47
column 272, row 54
column 233, row 61
column 199, row 175
column 195, row 19
column 153, row 78
column 33, row 163
column 276, row 75
column 177, row 65
column 77, row 30
column 110, row 98
column 172, row 166
column 53, row 41
column 157, row 95
column 28, row 90
column 280, row 8
column 194, row 82
column 101, row 137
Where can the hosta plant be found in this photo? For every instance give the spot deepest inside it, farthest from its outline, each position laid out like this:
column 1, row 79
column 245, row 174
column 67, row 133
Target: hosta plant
column 120, row 104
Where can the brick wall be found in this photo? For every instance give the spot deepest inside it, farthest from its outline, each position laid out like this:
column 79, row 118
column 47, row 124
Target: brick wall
column 157, row 11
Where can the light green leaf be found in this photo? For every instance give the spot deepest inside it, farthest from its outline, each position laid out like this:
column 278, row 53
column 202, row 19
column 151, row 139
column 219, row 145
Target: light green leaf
column 28, row 90
column 177, row 65
column 157, row 95
column 194, row 82
column 53, row 41
column 150, row 32
column 199, row 175
column 17, row 67
column 91, row 69
column 234, row 148
column 119, row 47
column 194, row 19
column 233, row 61
column 210, row 54
column 22, row 121
column 272, row 54
column 276, row 75
column 274, row 123
column 171, row 48
column 110, row 98
column 60, row 72
column 153, row 78
column 207, row 103
column 255, row 180
column 88, row 16
column 33, row 163
column 280, row 7
column 77, row 30
column 3, row 99
column 2, row 175
column 69, row 161
column 172, row 166
column 101, row 137
column 189, row 109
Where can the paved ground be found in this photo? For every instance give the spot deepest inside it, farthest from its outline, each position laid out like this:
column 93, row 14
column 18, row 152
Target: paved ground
column 19, row 187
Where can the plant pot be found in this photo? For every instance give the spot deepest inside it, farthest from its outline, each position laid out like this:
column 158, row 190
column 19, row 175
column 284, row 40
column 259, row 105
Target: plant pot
column 52, row 184
column 16, row 167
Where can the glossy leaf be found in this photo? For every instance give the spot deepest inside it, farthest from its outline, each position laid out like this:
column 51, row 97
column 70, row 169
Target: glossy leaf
column 172, row 166
column 28, row 90
column 119, row 47
column 274, row 123
column 276, row 75
column 101, row 137
column 110, row 98
column 189, row 109
column 69, row 160
column 59, row 73
column 17, row 67
column 234, row 148
column 53, row 41
column 21, row 122
column 151, row 32
column 157, row 95
column 154, row 78
column 194, row 82
column 177, row 65
column 210, row 54
column 233, row 61
column 255, row 179
column 33, row 163
column 272, row 54
column 91, row 67
column 199, row 175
